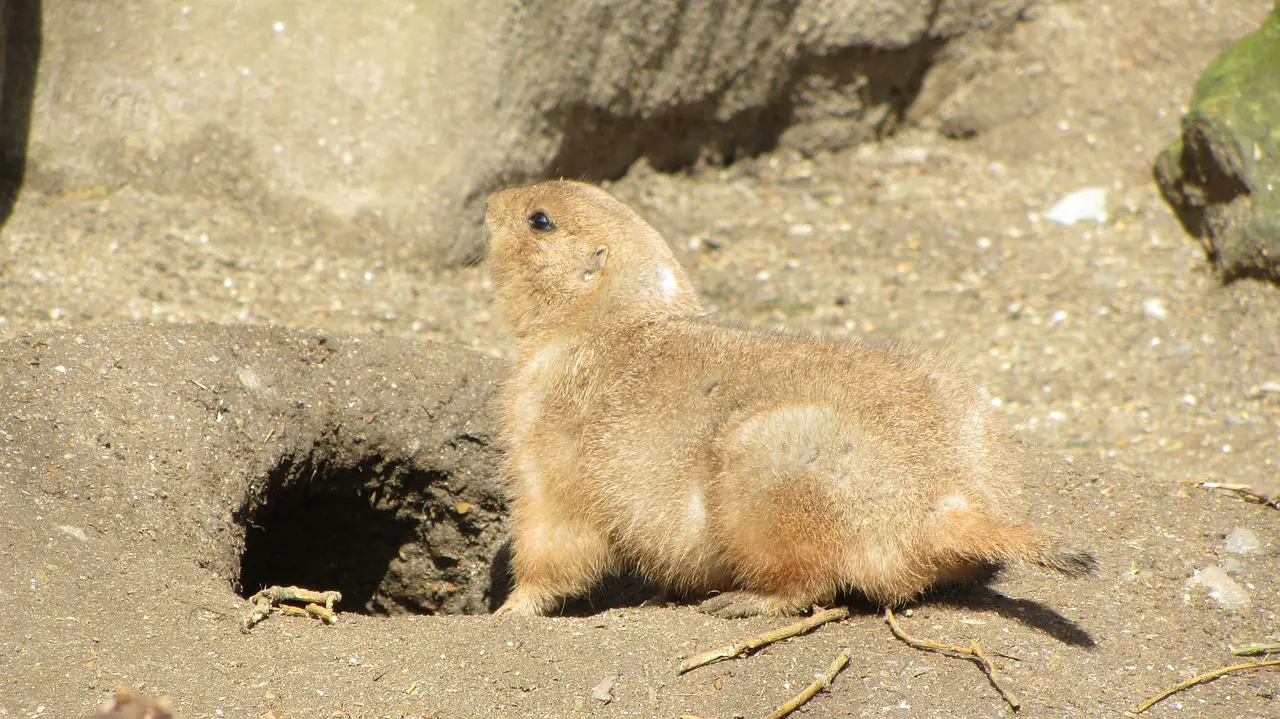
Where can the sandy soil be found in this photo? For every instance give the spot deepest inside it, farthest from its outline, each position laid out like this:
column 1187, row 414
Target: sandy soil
column 135, row 467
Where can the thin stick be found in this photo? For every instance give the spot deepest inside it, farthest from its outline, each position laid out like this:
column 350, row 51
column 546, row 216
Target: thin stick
column 751, row 644
column 1253, row 650
column 822, row 682
column 1244, row 490
column 321, row 612
column 297, row 594
column 972, row 652
column 1201, row 679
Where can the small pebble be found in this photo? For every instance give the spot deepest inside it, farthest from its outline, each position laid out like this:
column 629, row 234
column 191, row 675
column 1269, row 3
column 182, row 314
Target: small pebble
column 911, row 156
column 1221, row 588
column 1233, row 566
column 250, row 379
column 603, row 692
column 76, row 532
column 1264, row 389
column 1241, row 541
column 1089, row 203
column 1154, row 309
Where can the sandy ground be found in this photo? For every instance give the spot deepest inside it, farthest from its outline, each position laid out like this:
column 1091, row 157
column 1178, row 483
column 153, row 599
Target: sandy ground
column 1125, row 366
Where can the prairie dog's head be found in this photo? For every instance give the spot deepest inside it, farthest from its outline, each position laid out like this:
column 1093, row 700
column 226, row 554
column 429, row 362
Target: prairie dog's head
column 564, row 253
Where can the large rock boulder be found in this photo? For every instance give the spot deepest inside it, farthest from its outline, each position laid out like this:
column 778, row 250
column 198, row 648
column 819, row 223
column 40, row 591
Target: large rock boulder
column 677, row 82
column 1222, row 176
column 398, row 117
column 376, row 112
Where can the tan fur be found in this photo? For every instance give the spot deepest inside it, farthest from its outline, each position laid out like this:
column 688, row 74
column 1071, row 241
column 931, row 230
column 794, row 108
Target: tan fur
column 781, row 470
column 124, row 704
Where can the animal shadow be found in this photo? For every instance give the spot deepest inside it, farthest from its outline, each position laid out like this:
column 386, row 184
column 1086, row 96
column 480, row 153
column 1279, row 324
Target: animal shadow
column 982, row 598
column 628, row 589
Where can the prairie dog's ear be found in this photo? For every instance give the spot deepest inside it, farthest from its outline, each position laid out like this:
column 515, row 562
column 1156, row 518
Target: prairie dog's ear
column 595, row 264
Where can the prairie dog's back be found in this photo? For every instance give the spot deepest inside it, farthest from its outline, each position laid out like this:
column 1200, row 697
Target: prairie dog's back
column 894, row 430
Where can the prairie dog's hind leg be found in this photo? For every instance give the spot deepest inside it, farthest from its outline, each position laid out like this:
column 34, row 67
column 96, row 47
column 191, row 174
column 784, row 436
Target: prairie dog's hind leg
column 780, row 510
column 554, row 556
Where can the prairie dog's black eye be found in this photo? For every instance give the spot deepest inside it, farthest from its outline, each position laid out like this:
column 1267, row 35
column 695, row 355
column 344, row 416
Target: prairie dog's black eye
column 540, row 222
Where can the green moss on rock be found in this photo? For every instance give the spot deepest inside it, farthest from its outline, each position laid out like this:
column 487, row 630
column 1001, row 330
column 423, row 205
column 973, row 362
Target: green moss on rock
column 1222, row 176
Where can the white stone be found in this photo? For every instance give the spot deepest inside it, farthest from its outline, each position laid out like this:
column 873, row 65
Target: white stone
column 76, row 532
column 1221, row 588
column 1089, row 203
column 1241, row 541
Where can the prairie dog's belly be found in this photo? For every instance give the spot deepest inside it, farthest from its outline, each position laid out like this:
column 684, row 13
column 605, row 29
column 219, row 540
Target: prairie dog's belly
column 542, row 433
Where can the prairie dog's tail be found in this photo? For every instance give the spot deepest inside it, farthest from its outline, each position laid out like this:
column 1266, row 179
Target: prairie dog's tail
column 1071, row 562
column 972, row 536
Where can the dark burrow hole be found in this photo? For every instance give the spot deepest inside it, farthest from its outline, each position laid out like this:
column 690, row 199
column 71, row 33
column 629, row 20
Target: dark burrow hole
column 391, row 536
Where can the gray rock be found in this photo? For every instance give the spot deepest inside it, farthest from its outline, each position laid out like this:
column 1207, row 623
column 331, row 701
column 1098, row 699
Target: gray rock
column 1221, row 588
column 397, row 117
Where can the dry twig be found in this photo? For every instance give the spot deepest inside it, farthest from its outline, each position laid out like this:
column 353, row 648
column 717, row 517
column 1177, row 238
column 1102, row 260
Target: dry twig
column 751, row 644
column 973, row 652
column 1201, row 679
column 1253, row 650
column 1244, row 490
column 822, row 682
column 269, row 599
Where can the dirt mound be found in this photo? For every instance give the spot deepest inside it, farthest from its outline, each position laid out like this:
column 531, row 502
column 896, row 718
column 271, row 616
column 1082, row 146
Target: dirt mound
column 265, row 457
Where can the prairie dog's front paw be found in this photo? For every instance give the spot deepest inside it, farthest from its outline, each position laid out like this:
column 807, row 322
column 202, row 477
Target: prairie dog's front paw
column 520, row 604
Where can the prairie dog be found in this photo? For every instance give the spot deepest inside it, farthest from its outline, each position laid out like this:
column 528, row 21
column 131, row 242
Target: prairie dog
column 780, row 470
column 124, row 704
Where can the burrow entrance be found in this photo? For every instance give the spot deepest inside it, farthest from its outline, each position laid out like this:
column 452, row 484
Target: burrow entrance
column 392, row 536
